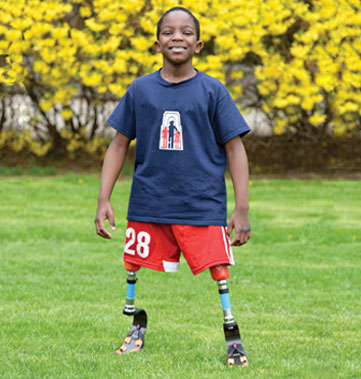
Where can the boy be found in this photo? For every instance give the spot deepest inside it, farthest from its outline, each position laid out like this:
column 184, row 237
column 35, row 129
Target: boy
column 187, row 127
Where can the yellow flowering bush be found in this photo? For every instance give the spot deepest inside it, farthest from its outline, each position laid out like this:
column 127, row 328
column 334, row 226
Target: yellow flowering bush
column 304, row 57
column 21, row 141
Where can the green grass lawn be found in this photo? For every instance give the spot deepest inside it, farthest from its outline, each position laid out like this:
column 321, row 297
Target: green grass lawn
column 295, row 289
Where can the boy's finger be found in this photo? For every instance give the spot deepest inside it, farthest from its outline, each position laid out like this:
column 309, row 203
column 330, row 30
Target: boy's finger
column 100, row 228
column 230, row 230
column 111, row 221
column 237, row 239
column 104, row 233
column 245, row 236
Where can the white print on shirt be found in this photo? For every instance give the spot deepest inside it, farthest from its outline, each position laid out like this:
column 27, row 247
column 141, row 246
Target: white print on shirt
column 171, row 137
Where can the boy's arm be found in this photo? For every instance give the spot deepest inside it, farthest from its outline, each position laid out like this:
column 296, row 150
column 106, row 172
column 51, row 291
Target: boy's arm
column 238, row 167
column 112, row 165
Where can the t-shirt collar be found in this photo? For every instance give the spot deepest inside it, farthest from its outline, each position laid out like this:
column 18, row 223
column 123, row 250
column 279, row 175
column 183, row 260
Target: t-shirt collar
column 164, row 83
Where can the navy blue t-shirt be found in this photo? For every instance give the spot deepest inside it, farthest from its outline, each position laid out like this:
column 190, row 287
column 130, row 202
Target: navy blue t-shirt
column 180, row 160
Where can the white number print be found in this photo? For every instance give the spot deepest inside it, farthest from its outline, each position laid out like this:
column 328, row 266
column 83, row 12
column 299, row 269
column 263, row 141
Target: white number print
column 130, row 233
column 142, row 246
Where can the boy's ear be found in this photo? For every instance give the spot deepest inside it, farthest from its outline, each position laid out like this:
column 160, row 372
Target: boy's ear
column 199, row 46
column 157, row 46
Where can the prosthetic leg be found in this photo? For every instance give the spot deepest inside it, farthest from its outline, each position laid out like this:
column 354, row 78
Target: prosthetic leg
column 236, row 356
column 134, row 341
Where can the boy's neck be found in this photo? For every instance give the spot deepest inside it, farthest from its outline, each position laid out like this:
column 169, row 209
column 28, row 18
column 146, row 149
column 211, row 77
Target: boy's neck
column 175, row 74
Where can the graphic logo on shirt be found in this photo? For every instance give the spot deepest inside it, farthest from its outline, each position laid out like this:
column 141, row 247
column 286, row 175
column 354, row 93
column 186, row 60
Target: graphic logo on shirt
column 171, row 137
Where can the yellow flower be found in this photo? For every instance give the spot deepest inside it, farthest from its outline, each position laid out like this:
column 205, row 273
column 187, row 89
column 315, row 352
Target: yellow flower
column 60, row 96
column 85, row 11
column 141, row 43
column 292, row 99
column 21, row 23
column 350, row 107
column 74, row 145
column 300, row 51
column 93, row 79
column 13, row 35
column 111, row 44
column 39, row 148
column 93, row 25
column 307, row 104
column 16, row 48
column 41, row 67
column 48, row 54
column 317, row 119
column 117, row 89
column 280, row 102
column 66, row 134
column 116, row 28
column 67, row 114
column 280, row 126
column 60, row 33
column 46, row 105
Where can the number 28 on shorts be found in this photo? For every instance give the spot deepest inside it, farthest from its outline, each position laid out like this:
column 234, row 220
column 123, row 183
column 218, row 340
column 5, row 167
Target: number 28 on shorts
column 137, row 243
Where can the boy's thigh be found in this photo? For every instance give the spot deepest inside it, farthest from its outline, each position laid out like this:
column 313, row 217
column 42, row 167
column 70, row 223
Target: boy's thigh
column 151, row 245
column 203, row 246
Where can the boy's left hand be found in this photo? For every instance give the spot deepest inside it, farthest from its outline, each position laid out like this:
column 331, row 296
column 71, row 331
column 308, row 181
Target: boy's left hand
column 240, row 223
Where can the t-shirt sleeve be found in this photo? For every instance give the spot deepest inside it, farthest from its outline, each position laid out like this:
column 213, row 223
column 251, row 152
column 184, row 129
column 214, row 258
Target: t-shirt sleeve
column 229, row 122
column 122, row 118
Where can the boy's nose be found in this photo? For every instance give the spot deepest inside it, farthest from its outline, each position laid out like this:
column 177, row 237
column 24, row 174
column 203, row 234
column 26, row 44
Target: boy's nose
column 178, row 36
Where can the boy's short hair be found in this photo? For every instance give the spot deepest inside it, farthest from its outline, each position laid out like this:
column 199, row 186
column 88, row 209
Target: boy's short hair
column 196, row 22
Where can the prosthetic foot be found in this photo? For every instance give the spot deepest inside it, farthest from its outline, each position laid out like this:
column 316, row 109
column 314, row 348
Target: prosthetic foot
column 134, row 341
column 236, row 355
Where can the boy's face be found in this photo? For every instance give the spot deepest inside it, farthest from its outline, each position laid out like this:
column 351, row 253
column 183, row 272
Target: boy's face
column 177, row 39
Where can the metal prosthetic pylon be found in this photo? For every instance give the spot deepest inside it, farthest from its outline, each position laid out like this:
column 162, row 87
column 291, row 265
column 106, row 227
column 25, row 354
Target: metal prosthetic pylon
column 134, row 341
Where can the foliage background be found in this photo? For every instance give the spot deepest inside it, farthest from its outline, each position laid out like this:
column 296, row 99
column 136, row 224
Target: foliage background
column 296, row 62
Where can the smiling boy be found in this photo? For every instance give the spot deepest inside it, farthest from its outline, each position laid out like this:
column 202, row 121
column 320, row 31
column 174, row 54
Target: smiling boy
column 178, row 196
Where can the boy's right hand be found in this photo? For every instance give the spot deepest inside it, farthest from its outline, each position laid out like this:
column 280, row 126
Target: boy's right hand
column 104, row 212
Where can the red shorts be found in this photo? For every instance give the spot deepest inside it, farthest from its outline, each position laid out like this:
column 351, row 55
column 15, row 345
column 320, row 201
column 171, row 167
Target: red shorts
column 158, row 246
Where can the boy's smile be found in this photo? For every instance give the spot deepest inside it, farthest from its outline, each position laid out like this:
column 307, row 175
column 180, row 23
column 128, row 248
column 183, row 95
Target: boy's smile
column 178, row 40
